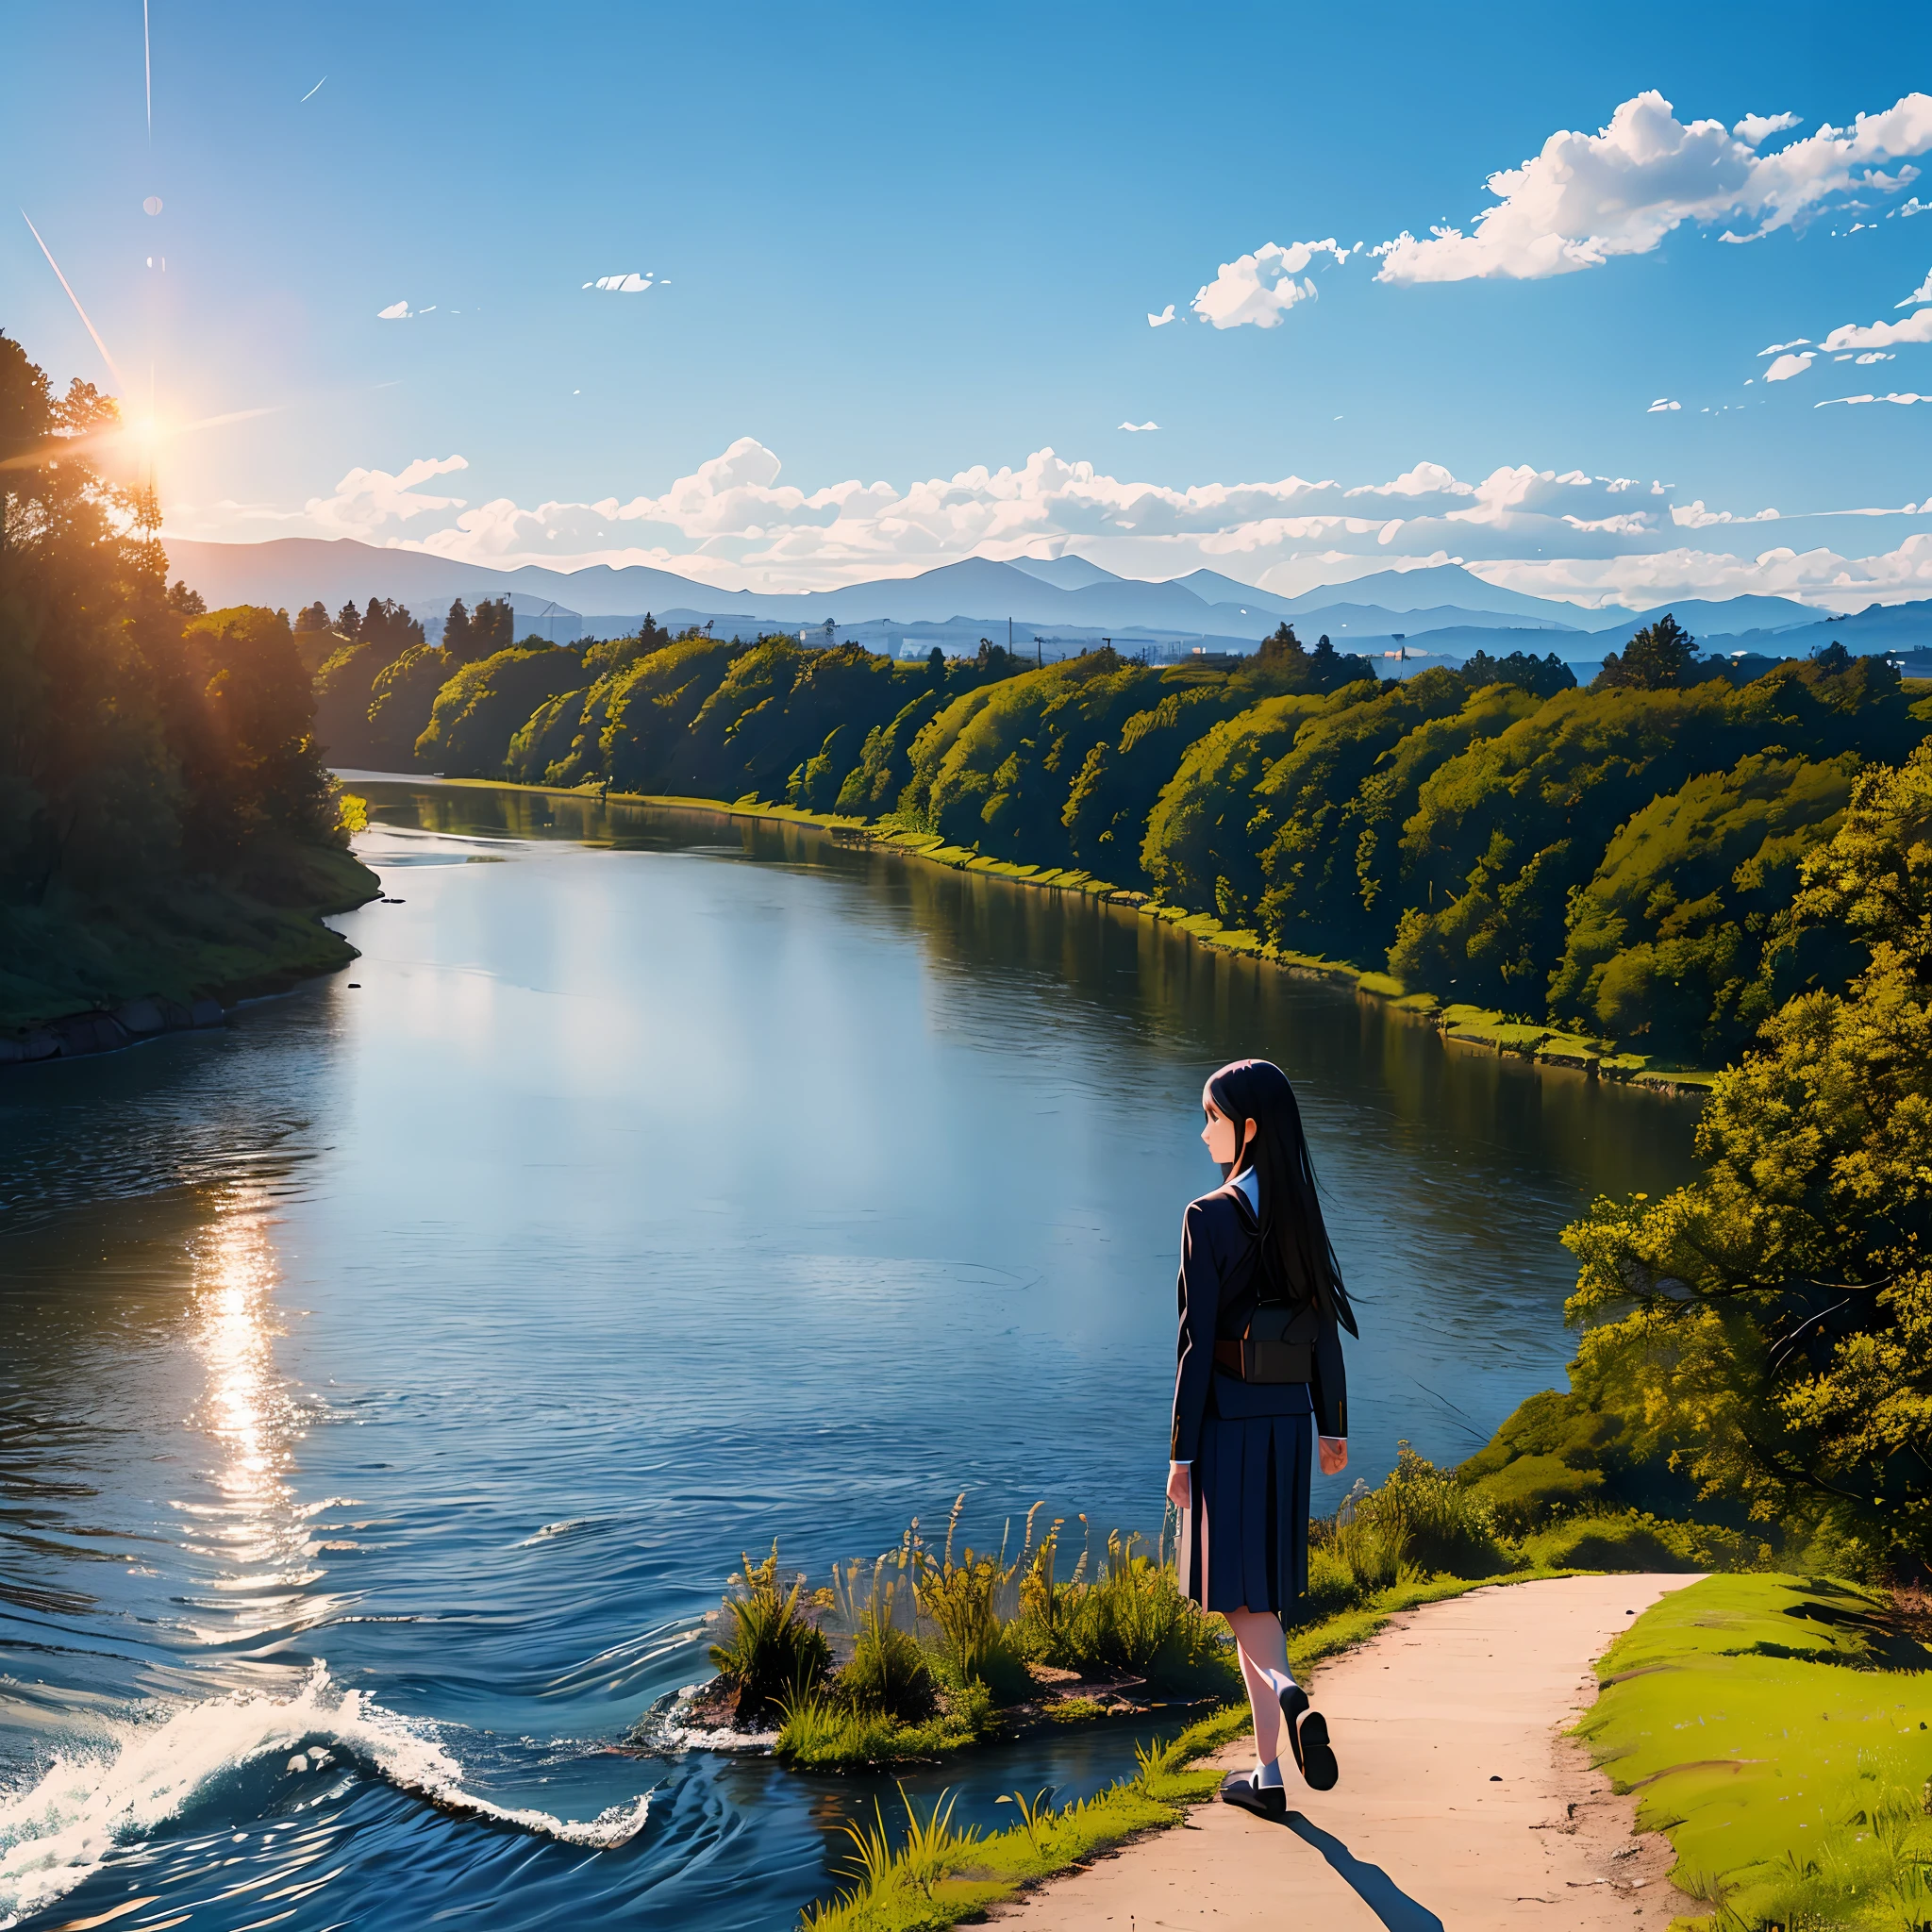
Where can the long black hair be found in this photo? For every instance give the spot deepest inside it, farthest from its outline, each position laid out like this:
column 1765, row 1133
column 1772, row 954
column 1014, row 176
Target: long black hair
column 1292, row 1221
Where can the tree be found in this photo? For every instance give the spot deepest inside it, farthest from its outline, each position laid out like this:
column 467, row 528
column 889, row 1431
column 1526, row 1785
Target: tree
column 314, row 617
column 1544, row 675
column 456, row 631
column 492, row 628
column 1282, row 647
column 349, row 621
column 1777, row 1315
column 185, row 602
column 1661, row 656
column 936, row 663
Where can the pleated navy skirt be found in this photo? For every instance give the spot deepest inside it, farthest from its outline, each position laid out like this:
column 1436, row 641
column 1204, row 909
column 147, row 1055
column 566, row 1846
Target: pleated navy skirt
column 1244, row 1543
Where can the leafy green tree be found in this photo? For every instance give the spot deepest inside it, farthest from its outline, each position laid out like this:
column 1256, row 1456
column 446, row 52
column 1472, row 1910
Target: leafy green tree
column 184, row 602
column 1202, row 845
column 146, row 747
column 1661, row 656
column 874, row 786
column 1119, row 779
column 400, row 701
column 1665, row 944
column 349, row 621
column 455, row 632
column 1545, row 676
column 1777, row 1315
column 494, row 624
column 1305, row 823
column 478, row 709
column 311, row 617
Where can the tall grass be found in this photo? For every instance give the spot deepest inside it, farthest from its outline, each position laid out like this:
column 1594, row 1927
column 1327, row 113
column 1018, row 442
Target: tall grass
column 774, row 1651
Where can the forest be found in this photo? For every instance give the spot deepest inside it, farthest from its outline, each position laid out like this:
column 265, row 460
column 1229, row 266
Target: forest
column 167, row 827
column 1618, row 861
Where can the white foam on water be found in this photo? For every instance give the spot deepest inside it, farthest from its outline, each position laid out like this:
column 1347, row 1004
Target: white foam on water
column 92, row 1801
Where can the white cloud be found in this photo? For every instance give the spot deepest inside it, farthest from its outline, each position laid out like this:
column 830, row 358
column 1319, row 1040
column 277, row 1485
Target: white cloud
column 1922, row 293
column 1261, row 287
column 1788, row 366
column 1914, row 328
column 735, row 523
column 1754, row 129
column 1662, row 403
column 1693, row 516
column 365, row 501
column 1820, row 576
column 396, row 311
column 632, row 284
column 1778, row 348
column 1872, row 355
column 1584, row 198
column 1137, row 427
column 1905, row 398
column 1162, row 320
column 1908, row 208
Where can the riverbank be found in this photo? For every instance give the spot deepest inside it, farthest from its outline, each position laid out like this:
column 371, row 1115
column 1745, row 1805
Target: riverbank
column 85, row 976
column 1463, row 1028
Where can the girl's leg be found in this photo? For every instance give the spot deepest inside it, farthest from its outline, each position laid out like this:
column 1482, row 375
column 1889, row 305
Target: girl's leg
column 1262, row 1648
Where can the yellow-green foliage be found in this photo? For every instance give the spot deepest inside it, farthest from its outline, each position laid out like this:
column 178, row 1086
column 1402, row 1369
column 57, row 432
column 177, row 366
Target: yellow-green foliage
column 773, row 1649
column 1666, row 940
column 1777, row 1728
column 1613, row 861
column 1774, row 1319
column 479, row 710
column 1198, row 848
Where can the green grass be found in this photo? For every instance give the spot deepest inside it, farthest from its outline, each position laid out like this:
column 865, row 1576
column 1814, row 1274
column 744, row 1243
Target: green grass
column 182, row 939
column 1779, row 1729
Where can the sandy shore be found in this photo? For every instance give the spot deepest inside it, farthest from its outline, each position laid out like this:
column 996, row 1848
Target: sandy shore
column 1462, row 1804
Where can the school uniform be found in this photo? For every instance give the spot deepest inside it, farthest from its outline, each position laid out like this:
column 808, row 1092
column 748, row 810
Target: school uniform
column 1250, row 1446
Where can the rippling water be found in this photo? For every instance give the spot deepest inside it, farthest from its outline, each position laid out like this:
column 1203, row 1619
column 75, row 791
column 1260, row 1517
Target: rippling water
column 388, row 1383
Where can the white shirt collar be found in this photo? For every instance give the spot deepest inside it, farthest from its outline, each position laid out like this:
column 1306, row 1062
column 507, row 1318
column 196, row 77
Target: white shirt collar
column 1249, row 1182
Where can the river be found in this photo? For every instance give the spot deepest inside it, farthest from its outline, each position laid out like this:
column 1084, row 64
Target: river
column 390, row 1381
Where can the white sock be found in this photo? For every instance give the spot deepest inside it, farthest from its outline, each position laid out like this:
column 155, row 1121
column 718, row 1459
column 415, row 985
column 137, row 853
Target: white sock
column 1268, row 1777
column 1279, row 1681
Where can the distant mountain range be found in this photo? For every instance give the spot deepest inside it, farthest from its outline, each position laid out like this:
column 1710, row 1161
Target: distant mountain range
column 1065, row 595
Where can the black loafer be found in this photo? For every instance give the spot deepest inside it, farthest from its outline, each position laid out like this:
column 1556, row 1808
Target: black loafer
column 1265, row 1801
column 1307, row 1735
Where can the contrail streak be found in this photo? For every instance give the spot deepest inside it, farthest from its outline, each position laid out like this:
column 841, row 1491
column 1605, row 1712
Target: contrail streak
column 74, row 299
column 313, row 91
column 147, row 68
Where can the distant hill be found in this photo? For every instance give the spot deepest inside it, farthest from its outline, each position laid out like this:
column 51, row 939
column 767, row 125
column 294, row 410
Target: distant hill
column 1436, row 584
column 1360, row 623
column 1065, row 595
column 1702, row 618
column 1877, row 627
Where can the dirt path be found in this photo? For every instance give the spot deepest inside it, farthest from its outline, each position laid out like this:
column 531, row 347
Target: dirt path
column 1460, row 1803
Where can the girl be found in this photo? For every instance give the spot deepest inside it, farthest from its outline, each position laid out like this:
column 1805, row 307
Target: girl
column 1260, row 1377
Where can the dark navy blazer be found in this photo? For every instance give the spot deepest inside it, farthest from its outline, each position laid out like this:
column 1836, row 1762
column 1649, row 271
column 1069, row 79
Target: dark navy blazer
column 1216, row 1234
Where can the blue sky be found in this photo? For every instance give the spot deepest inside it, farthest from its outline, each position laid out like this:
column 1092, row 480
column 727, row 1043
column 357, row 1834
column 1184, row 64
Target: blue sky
column 895, row 248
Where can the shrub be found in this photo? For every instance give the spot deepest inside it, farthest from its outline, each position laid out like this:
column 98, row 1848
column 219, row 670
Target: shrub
column 774, row 1650
column 1434, row 1522
column 1629, row 1540
column 889, row 1674
column 969, row 1604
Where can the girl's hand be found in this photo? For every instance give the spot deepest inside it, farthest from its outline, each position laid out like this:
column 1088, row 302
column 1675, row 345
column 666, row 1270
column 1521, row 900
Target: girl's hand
column 1179, row 1489
column 1334, row 1453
